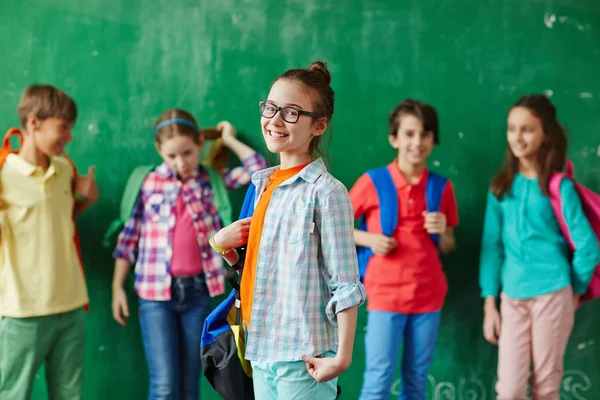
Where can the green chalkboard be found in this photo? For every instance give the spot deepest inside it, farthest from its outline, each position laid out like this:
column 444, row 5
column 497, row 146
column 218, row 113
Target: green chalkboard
column 125, row 61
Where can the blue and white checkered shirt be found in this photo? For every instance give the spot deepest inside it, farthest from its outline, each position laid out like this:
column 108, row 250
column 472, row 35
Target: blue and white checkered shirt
column 307, row 270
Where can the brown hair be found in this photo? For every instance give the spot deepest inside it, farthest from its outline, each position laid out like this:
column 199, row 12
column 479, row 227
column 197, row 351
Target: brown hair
column 423, row 111
column 550, row 157
column 316, row 81
column 46, row 101
column 176, row 129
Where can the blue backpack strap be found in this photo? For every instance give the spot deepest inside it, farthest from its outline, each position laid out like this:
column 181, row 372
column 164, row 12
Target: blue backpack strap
column 248, row 205
column 388, row 209
column 388, row 199
column 436, row 184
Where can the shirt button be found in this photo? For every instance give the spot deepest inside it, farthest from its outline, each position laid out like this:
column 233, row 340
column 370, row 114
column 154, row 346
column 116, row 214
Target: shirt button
column 410, row 201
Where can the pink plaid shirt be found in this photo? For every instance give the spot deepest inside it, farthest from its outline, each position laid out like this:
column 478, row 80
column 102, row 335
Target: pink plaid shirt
column 147, row 237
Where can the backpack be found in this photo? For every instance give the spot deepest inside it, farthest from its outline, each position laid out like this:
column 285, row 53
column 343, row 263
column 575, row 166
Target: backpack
column 132, row 191
column 388, row 206
column 7, row 149
column 591, row 208
column 223, row 343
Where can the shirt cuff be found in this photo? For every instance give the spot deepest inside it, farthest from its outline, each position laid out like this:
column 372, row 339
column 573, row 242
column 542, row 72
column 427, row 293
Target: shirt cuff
column 344, row 297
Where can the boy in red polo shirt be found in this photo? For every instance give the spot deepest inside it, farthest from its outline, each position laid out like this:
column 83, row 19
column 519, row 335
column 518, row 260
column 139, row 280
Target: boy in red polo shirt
column 404, row 280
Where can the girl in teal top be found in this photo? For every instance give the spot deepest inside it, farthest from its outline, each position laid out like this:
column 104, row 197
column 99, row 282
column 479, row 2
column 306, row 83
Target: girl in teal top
column 525, row 258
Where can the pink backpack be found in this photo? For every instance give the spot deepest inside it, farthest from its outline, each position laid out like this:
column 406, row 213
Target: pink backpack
column 591, row 207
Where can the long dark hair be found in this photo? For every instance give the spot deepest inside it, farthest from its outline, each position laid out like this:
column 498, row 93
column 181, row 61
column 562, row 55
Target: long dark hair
column 550, row 157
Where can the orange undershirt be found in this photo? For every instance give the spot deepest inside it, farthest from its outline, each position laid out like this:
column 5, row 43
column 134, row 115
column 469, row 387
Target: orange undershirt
column 256, row 228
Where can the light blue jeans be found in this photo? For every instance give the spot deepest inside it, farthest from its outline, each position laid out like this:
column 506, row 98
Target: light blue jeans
column 290, row 381
column 385, row 333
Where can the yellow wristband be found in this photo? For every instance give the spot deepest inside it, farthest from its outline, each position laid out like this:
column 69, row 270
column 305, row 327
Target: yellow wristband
column 218, row 249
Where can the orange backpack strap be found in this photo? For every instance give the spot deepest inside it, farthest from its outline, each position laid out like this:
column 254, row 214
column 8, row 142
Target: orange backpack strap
column 6, row 149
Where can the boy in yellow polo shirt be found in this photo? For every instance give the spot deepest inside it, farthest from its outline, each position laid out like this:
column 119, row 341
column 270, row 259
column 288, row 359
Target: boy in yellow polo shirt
column 42, row 287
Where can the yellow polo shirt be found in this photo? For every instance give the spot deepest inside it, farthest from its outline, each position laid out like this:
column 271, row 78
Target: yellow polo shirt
column 40, row 272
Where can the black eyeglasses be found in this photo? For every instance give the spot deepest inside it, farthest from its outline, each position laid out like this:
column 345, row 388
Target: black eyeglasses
column 288, row 114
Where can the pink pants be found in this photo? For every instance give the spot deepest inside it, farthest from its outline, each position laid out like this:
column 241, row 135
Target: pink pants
column 535, row 330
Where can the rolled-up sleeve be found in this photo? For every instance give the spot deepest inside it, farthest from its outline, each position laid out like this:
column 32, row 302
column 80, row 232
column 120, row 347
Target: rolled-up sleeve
column 338, row 251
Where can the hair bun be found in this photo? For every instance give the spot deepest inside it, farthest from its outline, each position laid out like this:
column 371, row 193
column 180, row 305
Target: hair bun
column 319, row 67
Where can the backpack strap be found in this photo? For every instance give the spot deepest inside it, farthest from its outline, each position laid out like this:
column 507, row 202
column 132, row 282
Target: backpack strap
column 388, row 199
column 434, row 190
column 220, row 195
column 130, row 196
column 388, row 213
column 556, row 200
column 249, row 202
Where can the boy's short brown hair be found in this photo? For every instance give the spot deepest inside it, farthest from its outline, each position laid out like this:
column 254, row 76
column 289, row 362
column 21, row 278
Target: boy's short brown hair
column 46, row 101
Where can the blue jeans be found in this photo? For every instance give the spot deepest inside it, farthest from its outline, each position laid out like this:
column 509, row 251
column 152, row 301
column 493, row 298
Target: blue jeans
column 385, row 332
column 171, row 332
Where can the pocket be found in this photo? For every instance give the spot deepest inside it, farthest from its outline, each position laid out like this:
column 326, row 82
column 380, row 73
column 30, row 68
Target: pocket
column 297, row 222
column 17, row 216
column 155, row 207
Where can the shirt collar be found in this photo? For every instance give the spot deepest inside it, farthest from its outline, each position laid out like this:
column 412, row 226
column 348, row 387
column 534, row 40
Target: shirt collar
column 27, row 169
column 165, row 172
column 400, row 180
column 310, row 173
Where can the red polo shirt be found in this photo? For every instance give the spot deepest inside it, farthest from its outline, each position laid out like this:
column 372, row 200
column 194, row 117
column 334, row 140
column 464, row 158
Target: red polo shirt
column 410, row 278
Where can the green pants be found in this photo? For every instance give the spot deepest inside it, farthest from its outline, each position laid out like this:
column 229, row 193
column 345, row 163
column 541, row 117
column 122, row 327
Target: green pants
column 26, row 343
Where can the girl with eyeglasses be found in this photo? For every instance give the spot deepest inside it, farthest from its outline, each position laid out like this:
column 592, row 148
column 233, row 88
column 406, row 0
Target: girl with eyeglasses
column 300, row 287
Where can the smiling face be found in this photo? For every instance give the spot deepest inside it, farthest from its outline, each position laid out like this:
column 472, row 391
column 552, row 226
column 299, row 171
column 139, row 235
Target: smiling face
column 291, row 140
column 50, row 135
column 412, row 141
column 525, row 133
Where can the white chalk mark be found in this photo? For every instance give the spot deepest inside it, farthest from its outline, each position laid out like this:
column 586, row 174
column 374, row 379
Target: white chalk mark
column 549, row 20
column 461, row 135
column 25, row 73
column 235, row 19
column 93, row 129
column 101, row 349
column 95, row 53
column 92, row 41
column 548, row 92
column 586, row 95
column 436, row 163
column 598, row 153
column 581, row 27
column 562, row 19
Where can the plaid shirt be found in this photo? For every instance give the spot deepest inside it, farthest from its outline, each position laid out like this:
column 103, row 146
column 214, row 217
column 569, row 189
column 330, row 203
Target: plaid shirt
column 147, row 237
column 307, row 270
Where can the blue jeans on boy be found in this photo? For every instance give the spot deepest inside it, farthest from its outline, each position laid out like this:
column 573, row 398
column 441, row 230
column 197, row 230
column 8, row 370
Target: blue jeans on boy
column 171, row 332
column 385, row 332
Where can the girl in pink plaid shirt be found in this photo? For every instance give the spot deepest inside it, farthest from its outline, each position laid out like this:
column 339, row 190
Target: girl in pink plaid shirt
column 166, row 237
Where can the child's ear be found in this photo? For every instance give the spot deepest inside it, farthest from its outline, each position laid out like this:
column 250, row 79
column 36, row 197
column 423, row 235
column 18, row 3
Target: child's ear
column 393, row 141
column 32, row 123
column 319, row 126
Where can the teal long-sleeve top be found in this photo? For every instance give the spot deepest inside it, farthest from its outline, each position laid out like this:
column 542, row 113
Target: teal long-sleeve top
column 524, row 253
